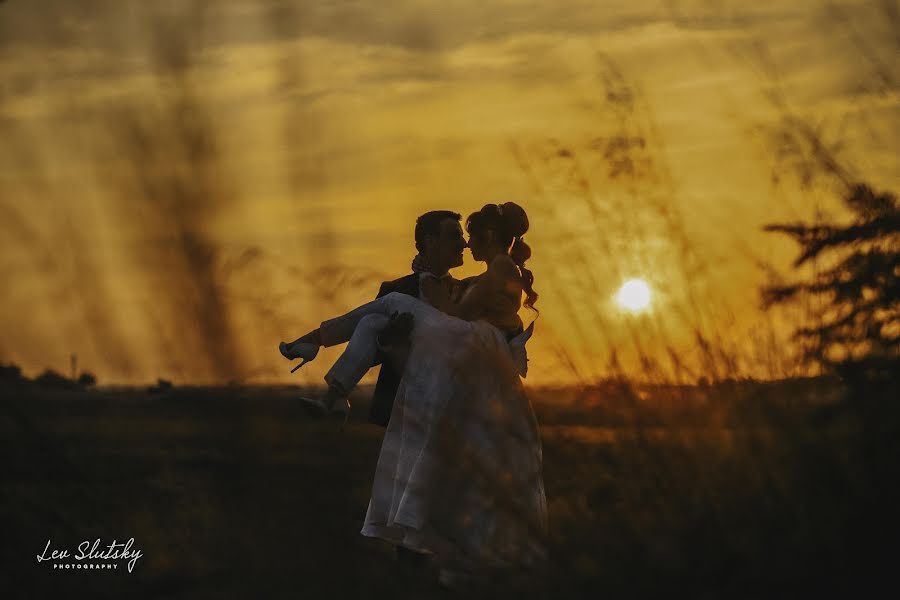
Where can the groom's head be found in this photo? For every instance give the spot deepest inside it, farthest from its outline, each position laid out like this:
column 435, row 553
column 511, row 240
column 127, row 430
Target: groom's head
column 440, row 240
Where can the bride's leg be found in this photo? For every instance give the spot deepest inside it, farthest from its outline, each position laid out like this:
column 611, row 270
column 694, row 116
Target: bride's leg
column 340, row 329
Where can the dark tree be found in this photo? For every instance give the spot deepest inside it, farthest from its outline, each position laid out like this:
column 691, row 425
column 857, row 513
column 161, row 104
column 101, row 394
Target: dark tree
column 856, row 332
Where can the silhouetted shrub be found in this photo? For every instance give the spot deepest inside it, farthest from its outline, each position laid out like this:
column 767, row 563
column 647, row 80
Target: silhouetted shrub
column 856, row 334
column 162, row 385
column 52, row 379
column 10, row 374
column 87, row 380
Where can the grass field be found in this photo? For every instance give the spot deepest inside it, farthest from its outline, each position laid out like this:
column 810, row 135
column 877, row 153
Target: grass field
column 730, row 491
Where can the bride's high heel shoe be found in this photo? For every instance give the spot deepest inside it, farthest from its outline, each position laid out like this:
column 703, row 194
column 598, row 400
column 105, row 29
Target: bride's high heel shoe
column 305, row 350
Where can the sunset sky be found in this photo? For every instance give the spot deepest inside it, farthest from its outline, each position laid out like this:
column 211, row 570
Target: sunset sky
column 185, row 184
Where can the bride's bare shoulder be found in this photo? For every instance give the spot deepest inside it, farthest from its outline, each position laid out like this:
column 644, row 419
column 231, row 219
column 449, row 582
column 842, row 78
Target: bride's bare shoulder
column 503, row 265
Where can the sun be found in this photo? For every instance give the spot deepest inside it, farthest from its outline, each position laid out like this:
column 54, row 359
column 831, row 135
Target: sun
column 634, row 295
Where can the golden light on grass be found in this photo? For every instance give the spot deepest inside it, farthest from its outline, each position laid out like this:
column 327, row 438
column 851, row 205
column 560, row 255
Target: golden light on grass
column 634, row 295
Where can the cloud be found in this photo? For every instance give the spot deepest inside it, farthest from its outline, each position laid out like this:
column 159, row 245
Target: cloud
column 410, row 24
column 336, row 123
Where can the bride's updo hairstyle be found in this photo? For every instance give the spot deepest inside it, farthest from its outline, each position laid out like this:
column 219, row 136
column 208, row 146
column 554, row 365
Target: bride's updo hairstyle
column 509, row 223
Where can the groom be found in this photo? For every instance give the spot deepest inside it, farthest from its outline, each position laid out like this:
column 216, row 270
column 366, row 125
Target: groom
column 440, row 243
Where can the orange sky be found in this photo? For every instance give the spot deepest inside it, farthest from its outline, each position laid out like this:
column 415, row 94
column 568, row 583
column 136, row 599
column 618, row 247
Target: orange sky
column 183, row 186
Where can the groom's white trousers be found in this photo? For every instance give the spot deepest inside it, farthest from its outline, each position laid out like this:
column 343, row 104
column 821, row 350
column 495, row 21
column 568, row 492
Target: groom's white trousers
column 360, row 327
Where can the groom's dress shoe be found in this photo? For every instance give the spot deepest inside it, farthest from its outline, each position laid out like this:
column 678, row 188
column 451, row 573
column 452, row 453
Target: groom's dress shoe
column 314, row 407
column 318, row 408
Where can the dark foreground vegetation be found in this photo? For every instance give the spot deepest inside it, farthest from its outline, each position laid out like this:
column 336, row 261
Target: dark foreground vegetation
column 233, row 493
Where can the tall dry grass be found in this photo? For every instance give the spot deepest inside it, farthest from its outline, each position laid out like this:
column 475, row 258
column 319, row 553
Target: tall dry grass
column 132, row 271
column 726, row 488
column 617, row 202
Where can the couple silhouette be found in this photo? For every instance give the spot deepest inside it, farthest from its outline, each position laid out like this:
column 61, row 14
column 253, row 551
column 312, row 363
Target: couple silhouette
column 459, row 474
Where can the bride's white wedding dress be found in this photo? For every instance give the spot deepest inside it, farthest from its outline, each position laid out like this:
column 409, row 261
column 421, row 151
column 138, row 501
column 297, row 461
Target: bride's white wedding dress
column 460, row 469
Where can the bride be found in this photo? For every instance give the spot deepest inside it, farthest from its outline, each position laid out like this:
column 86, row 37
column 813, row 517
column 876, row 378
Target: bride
column 459, row 474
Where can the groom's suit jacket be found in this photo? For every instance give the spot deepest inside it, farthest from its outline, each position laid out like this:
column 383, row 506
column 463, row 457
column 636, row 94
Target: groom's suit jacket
column 388, row 378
